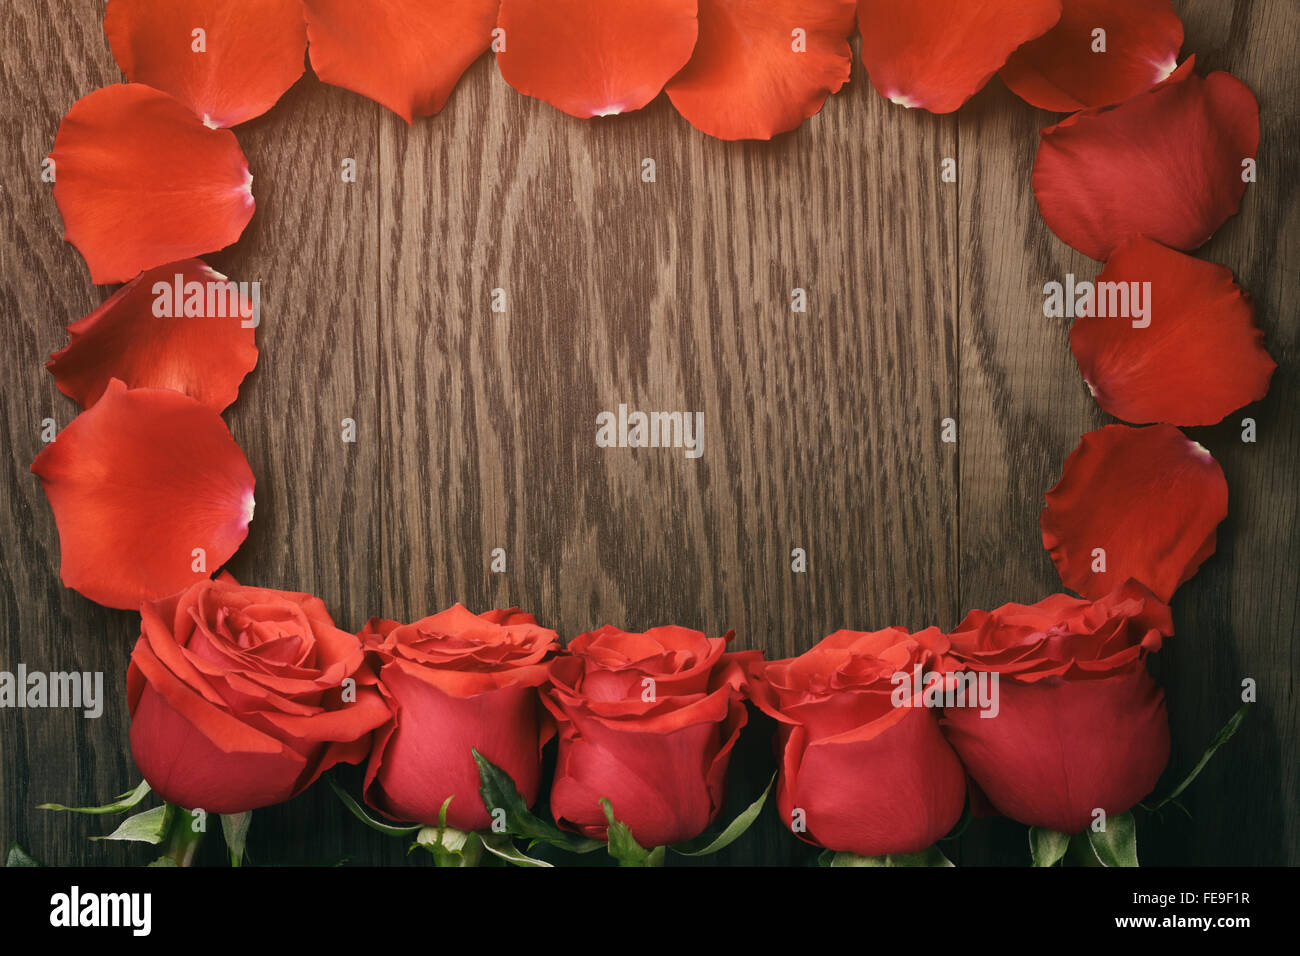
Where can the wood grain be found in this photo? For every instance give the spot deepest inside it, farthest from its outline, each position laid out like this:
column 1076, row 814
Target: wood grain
column 476, row 430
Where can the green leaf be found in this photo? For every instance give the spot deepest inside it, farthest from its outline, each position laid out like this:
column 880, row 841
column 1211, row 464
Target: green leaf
column 366, row 818
column 1221, row 738
column 500, row 793
column 19, row 857
column 1117, row 844
column 701, row 846
column 826, row 858
column 234, row 827
column 164, row 861
column 930, row 857
column 623, row 846
column 500, row 845
column 125, row 802
column 1047, row 847
column 151, row 826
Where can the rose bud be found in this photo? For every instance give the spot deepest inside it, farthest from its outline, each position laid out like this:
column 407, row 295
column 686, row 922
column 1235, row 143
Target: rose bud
column 647, row 722
column 1081, row 725
column 457, row 682
column 241, row 697
column 864, row 767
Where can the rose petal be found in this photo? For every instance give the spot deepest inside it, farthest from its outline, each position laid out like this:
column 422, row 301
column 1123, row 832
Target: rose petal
column 593, row 57
column 1148, row 497
column 1059, row 750
column 250, row 52
column 427, row 756
column 1167, row 164
column 1061, row 71
column 893, row 792
column 1200, row 357
column 940, row 53
column 137, row 482
column 141, row 182
column 407, row 55
column 205, row 356
column 751, row 77
column 665, row 784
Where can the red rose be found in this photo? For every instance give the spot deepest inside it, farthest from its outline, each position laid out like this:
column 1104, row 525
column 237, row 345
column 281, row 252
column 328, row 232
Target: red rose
column 647, row 721
column 1080, row 724
column 864, row 767
column 457, row 682
column 237, row 696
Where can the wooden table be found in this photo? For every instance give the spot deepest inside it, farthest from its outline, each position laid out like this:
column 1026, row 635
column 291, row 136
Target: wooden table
column 475, row 430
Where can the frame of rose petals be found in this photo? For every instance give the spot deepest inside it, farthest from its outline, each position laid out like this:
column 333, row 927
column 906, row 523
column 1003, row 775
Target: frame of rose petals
column 734, row 69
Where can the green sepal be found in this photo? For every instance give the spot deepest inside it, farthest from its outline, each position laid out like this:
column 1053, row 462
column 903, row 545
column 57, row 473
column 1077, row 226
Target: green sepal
column 1117, row 844
column 623, row 846
column 149, row 826
column 1047, row 847
column 929, row 857
column 704, row 845
column 20, row 857
column 1081, row 852
column 123, row 803
column 500, row 793
column 359, row 812
column 449, row 846
column 234, row 827
column 500, row 845
column 1222, row 737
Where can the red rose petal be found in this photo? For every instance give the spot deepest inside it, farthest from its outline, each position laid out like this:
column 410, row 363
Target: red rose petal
column 205, row 356
column 1166, row 164
column 407, row 55
column 137, row 482
column 1200, row 358
column 1149, row 497
column 1058, row 750
column 1060, row 71
column 141, row 182
column 940, row 53
column 251, row 52
column 747, row 80
column 593, row 57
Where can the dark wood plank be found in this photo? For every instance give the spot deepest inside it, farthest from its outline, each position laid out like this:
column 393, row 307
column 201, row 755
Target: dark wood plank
column 50, row 754
column 1239, row 617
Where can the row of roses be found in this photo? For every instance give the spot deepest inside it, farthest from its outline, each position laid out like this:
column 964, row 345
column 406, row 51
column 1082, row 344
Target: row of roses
column 242, row 697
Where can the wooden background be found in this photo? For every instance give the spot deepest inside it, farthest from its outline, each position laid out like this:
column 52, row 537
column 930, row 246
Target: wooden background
column 476, row 430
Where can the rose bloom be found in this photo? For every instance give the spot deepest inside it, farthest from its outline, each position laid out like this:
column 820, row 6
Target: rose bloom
column 870, row 776
column 646, row 721
column 237, row 699
column 456, row 682
column 1081, row 724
